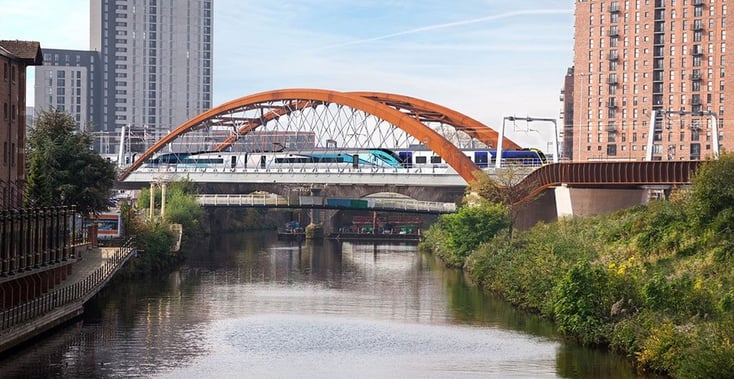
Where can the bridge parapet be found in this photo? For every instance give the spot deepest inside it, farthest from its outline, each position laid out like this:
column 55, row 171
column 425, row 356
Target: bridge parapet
column 606, row 174
column 260, row 200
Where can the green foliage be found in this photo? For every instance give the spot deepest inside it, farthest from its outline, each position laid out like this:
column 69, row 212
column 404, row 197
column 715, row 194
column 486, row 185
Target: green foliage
column 470, row 226
column 654, row 282
column 154, row 241
column 711, row 202
column 580, row 303
column 181, row 205
column 63, row 169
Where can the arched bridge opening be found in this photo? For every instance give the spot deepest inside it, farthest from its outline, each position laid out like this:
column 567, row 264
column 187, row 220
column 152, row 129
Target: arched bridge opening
column 293, row 129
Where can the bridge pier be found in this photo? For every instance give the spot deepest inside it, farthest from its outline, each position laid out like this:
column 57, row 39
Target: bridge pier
column 564, row 201
column 315, row 229
column 586, row 202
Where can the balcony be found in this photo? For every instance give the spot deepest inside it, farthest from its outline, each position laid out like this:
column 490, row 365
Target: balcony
column 614, row 32
column 697, row 25
column 613, row 56
column 696, row 101
column 698, row 3
column 696, row 76
column 611, row 127
column 614, row 8
column 612, row 80
column 696, row 50
column 611, row 103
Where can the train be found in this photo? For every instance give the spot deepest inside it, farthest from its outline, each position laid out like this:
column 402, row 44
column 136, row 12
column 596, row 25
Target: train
column 338, row 158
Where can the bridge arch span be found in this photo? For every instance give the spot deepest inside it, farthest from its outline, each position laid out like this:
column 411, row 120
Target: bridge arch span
column 426, row 111
column 374, row 104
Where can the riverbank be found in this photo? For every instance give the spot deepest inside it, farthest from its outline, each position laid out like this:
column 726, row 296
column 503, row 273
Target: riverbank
column 90, row 272
column 653, row 282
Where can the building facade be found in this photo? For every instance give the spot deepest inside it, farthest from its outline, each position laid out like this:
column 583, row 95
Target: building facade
column 156, row 62
column 67, row 81
column 650, row 73
column 15, row 57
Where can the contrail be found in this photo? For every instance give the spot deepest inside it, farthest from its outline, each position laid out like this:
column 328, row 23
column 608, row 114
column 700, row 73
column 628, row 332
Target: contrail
column 451, row 25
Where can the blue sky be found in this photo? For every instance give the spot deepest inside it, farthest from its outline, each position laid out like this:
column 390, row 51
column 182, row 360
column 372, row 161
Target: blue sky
column 486, row 58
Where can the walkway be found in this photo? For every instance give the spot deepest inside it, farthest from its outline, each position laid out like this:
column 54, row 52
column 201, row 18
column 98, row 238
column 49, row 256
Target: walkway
column 66, row 301
column 90, row 261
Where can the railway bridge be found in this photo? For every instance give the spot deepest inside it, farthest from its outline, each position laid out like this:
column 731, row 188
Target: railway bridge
column 277, row 141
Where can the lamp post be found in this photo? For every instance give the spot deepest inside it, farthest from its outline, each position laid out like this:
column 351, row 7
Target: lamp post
column 498, row 160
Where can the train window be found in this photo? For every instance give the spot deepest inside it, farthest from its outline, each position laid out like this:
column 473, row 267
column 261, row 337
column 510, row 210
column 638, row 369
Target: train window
column 420, row 160
column 435, row 159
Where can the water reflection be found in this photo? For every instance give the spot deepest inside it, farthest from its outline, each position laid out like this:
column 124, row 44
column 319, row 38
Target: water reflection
column 249, row 303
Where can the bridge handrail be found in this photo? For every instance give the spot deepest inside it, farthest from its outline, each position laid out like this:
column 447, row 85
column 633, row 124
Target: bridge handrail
column 604, row 173
column 272, row 199
column 80, row 291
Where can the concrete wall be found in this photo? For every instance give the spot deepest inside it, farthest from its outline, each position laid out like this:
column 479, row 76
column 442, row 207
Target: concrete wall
column 579, row 202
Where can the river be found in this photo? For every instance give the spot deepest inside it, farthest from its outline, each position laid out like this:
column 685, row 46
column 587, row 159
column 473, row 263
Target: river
column 250, row 306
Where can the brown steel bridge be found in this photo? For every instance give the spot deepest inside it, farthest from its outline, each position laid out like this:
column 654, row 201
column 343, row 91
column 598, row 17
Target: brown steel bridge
column 606, row 175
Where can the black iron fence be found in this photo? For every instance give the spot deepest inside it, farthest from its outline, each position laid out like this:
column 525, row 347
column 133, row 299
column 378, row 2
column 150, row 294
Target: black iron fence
column 76, row 293
column 31, row 238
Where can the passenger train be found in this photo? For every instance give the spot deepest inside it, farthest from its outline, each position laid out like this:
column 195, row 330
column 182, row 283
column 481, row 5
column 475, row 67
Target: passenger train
column 337, row 158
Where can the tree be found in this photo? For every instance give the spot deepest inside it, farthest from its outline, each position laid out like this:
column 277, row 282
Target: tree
column 712, row 198
column 501, row 189
column 63, row 168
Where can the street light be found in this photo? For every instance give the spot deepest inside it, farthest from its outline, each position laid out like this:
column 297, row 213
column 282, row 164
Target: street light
column 498, row 160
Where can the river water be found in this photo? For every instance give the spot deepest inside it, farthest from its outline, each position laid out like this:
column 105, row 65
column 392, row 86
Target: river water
column 250, row 306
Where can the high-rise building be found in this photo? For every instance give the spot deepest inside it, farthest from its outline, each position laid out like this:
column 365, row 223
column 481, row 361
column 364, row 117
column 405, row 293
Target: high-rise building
column 650, row 73
column 67, row 81
column 156, row 62
column 149, row 69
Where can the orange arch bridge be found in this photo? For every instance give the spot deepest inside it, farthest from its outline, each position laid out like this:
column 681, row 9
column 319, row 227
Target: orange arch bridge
column 413, row 116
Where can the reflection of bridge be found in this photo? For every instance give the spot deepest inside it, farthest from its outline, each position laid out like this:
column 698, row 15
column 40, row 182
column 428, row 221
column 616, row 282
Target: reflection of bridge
column 294, row 121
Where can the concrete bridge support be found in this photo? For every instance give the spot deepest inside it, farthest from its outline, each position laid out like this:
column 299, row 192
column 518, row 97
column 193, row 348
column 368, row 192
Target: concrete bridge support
column 565, row 201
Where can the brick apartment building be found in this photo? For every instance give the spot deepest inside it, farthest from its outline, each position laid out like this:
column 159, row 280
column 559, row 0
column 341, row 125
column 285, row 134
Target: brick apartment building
column 15, row 56
column 636, row 57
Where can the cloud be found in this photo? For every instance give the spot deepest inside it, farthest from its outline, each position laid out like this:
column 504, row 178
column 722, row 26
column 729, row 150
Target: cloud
column 450, row 25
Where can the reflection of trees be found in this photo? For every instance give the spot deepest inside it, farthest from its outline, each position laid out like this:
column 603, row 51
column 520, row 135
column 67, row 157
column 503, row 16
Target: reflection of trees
column 471, row 304
column 574, row 361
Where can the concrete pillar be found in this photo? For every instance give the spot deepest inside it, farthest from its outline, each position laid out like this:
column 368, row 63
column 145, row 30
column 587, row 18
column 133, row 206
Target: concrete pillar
column 564, row 207
column 163, row 200
column 152, row 199
column 315, row 213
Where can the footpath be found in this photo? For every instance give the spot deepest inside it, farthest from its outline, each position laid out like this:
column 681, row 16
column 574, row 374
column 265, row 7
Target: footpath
column 66, row 301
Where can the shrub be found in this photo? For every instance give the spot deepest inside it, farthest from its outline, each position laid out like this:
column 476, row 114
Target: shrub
column 466, row 229
column 581, row 303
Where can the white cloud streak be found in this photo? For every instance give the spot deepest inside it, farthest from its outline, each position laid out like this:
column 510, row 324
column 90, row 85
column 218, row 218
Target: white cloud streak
column 450, row 25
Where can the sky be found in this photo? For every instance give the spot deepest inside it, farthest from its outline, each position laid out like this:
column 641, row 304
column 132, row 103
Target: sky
column 488, row 59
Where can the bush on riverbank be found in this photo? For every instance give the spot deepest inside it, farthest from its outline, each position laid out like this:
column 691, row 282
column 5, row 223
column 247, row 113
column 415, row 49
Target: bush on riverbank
column 655, row 282
column 454, row 236
column 153, row 239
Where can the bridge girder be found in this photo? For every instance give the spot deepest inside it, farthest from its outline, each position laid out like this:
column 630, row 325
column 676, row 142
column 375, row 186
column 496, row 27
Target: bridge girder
column 405, row 113
column 426, row 111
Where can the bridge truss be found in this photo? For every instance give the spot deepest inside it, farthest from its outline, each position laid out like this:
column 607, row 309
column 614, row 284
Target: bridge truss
column 297, row 120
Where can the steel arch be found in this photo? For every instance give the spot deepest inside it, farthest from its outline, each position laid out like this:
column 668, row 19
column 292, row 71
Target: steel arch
column 302, row 98
column 426, row 111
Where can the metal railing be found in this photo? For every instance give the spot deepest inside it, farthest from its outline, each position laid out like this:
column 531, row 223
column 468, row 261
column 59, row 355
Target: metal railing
column 398, row 204
column 79, row 292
